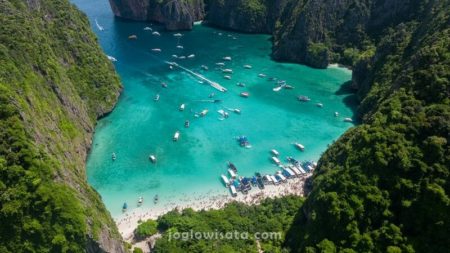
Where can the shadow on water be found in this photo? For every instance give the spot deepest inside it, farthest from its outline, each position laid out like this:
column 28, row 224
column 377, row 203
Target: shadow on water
column 351, row 100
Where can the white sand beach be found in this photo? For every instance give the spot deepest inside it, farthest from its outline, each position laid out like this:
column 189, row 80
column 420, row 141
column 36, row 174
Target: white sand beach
column 129, row 221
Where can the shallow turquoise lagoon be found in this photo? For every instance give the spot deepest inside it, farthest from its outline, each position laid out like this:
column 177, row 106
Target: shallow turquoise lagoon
column 140, row 126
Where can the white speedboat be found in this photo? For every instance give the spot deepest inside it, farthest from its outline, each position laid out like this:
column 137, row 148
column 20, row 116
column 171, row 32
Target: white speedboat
column 177, row 35
column 156, row 49
column 240, row 84
column 148, row 28
column 182, row 106
column 180, row 47
column 228, row 71
column 113, row 156
column 262, row 75
column 277, row 88
column 221, row 64
column 303, row 98
column 336, row 114
column 174, row 56
column 227, row 58
column 191, row 56
column 299, row 146
column 227, row 77
column 274, row 152
column 203, row 113
column 245, row 94
column 156, row 97
column 247, row 66
column 182, row 57
column 320, row 105
column 156, row 33
column 111, row 58
column 225, row 180
column 176, row 136
column 152, row 158
column 99, row 26
column 275, row 160
column 348, row 120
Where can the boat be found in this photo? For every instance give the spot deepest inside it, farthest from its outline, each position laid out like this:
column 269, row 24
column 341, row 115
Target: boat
column 247, row 66
column 299, row 146
column 152, row 158
column 245, row 94
column 140, row 201
column 259, row 180
column 336, row 114
column 243, row 141
column 174, row 56
column 296, row 170
column 212, row 95
column 176, row 136
column 226, row 58
column 180, row 47
column 293, row 161
column 229, row 71
column 124, row 207
column 191, row 56
column 320, row 105
column 186, row 124
column 274, row 180
column 290, row 172
column 99, row 26
column 156, row 33
column 178, row 35
column 275, row 160
column 240, row 84
column 221, row 64
column 280, row 177
column 348, row 120
column 227, row 77
column 261, row 75
column 156, row 97
column 203, row 113
column 156, row 49
column 278, row 88
column 223, row 113
column 232, row 173
column 182, row 57
column 113, row 156
column 237, row 111
column 111, row 58
column 156, row 199
column 132, row 37
column 225, row 180
column 182, row 106
column 163, row 84
column 232, row 166
column 148, row 28
column 289, row 87
column 303, row 98
column 233, row 191
column 274, row 152
column 204, row 67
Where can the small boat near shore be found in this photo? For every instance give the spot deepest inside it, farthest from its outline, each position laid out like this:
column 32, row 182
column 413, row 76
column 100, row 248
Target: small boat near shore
column 299, row 146
column 99, row 26
column 226, row 58
column 233, row 191
column 191, row 56
column 180, row 47
column 156, row 49
column 177, row 35
column 247, row 66
column 227, row 77
column 148, row 28
column 182, row 107
column 156, row 199
column 348, row 120
column 232, row 173
column 156, row 97
column 232, row 166
column 113, row 156
column 274, row 152
column 227, row 71
column 243, row 141
column 186, row 124
column 140, row 201
column 152, row 158
column 275, row 160
column 132, row 37
column 220, row 64
column 225, row 180
column 320, row 105
column 240, row 84
column 111, row 58
column 156, row 33
column 176, row 136
column 124, row 207
column 262, row 75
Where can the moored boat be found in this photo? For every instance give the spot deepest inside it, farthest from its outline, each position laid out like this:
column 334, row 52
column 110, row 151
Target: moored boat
column 147, row 28
column 225, row 180
column 232, row 173
column 227, row 58
column 228, row 71
column 186, row 124
column 132, row 37
column 233, row 191
column 113, row 156
column 299, row 146
column 274, row 152
column 156, row 97
column 348, row 120
column 336, row 114
column 261, row 75
column 182, row 106
column 204, row 67
column 156, row 49
column 124, row 207
column 232, row 166
column 140, row 201
column 204, row 112
column 156, row 33
column 240, row 84
column 176, row 136
column 156, row 199
column 152, row 158
column 275, row 160
column 320, row 105
column 177, row 35
column 247, row 66
column 191, row 56
column 245, row 94
column 180, row 47
column 227, row 77
column 111, row 58
column 303, row 98
column 243, row 141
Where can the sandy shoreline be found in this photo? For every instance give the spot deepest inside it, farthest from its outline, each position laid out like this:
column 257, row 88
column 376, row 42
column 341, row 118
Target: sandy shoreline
column 129, row 221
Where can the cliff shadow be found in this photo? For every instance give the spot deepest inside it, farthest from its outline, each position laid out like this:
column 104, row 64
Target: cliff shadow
column 350, row 100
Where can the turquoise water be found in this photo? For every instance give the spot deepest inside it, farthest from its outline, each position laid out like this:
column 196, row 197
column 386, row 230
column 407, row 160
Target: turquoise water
column 140, row 126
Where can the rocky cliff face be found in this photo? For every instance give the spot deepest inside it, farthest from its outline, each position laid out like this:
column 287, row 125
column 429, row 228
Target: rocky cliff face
column 55, row 81
column 174, row 14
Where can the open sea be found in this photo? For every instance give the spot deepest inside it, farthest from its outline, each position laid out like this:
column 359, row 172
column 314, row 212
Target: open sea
column 140, row 126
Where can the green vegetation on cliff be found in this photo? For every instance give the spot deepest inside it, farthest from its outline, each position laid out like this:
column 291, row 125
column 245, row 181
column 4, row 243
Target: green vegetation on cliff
column 54, row 82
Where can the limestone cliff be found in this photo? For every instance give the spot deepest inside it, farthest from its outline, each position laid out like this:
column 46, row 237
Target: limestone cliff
column 55, row 81
column 173, row 14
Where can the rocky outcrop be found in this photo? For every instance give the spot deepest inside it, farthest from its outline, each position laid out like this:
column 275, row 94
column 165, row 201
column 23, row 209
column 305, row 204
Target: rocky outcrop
column 173, row 14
